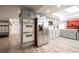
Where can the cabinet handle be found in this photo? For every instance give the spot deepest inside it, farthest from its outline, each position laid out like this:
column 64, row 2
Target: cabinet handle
column 28, row 25
column 28, row 35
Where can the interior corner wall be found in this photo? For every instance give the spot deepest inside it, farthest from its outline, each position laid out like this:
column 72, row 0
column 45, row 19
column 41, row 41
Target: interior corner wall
column 11, row 12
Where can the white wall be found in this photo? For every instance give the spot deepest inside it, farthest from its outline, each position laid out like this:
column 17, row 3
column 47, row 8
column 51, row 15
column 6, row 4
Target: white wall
column 62, row 26
column 11, row 12
column 62, row 23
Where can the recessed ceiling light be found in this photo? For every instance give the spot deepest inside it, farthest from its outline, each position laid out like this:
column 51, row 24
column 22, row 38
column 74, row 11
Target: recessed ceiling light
column 55, row 14
column 48, row 11
column 73, row 9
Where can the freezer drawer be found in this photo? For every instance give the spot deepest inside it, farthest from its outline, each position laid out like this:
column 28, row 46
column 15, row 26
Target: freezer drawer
column 28, row 27
column 28, row 37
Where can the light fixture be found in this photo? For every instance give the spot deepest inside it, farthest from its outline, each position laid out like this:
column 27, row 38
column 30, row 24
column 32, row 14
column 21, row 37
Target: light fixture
column 48, row 11
column 73, row 9
column 54, row 14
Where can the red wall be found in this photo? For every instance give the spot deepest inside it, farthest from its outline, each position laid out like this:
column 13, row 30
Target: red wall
column 74, row 24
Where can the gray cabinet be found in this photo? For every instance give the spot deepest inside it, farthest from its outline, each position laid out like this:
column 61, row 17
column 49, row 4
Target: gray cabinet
column 78, row 36
column 27, row 27
column 27, row 37
column 27, row 13
column 68, row 33
column 27, row 33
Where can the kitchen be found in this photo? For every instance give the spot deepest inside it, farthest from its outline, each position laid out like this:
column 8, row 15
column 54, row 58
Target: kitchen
column 36, row 28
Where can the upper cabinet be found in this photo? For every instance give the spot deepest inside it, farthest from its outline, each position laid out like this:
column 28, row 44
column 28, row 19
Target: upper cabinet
column 27, row 13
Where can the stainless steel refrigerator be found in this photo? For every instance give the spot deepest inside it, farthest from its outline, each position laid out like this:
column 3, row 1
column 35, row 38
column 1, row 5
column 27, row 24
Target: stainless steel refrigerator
column 42, row 33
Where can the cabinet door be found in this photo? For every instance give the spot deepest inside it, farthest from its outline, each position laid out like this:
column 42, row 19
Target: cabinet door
column 25, row 14
column 28, row 27
column 77, row 36
column 57, row 33
column 28, row 32
column 28, row 37
column 31, row 14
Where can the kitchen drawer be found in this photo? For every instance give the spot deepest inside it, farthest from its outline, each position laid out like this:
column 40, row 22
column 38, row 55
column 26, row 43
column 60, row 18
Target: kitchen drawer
column 28, row 27
column 28, row 37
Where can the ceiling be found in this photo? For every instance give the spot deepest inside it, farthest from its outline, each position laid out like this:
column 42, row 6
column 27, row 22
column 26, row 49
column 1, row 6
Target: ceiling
column 31, row 7
column 64, row 15
column 58, row 11
column 52, row 8
column 43, row 8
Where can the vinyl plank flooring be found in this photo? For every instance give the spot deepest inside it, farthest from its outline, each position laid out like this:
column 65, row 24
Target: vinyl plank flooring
column 57, row 45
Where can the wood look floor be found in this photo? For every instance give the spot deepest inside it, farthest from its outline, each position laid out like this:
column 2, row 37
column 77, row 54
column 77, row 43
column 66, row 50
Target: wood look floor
column 57, row 45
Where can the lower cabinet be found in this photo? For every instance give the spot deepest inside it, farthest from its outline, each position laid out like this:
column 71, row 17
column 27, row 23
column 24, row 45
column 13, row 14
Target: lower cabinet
column 28, row 27
column 71, row 34
column 27, row 33
column 77, row 36
column 28, row 37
